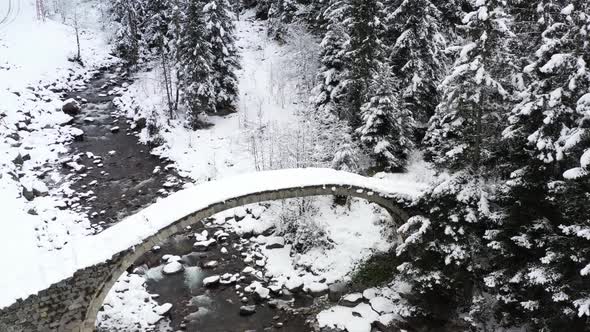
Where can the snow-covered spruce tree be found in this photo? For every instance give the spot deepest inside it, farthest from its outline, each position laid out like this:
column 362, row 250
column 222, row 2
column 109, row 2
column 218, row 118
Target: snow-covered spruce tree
column 280, row 15
column 541, row 247
column 465, row 128
column 128, row 16
column 444, row 251
column 314, row 15
column 386, row 126
column 157, row 23
column 195, row 64
column 221, row 37
column 160, row 31
column 365, row 53
column 417, row 55
column 452, row 12
column 330, row 94
column 345, row 158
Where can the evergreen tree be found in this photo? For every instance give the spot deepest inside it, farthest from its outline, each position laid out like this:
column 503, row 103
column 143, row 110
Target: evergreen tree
column 444, row 246
column 417, row 55
column 386, row 127
column 330, row 95
column 365, row 54
column 452, row 12
column 220, row 35
column 466, row 125
column 280, row 14
column 443, row 251
column 541, row 249
column 157, row 23
column 128, row 16
column 195, row 64
column 314, row 15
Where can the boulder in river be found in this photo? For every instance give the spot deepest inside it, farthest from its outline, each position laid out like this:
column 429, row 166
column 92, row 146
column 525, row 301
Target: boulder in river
column 28, row 193
column 294, row 285
column 382, row 305
column 211, row 281
column 78, row 134
column 247, row 310
column 203, row 245
column 317, row 289
column 336, row 290
column 211, row 264
column 163, row 309
column 351, row 300
column 173, row 268
column 71, row 107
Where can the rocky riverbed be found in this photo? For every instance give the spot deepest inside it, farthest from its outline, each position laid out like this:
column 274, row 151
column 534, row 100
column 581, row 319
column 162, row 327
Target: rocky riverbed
column 212, row 277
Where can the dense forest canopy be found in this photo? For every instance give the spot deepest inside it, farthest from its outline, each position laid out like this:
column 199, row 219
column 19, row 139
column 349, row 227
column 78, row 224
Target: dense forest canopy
column 495, row 94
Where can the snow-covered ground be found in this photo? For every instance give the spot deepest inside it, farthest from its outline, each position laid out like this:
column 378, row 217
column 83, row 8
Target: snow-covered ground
column 143, row 311
column 33, row 132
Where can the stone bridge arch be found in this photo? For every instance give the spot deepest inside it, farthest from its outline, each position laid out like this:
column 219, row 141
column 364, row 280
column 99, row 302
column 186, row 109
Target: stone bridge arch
column 72, row 304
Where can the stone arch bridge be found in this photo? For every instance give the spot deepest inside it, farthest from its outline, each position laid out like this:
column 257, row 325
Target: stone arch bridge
column 72, row 300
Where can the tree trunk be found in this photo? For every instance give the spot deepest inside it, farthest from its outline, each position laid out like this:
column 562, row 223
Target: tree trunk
column 167, row 82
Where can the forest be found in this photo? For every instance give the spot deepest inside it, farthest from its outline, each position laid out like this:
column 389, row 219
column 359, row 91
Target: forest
column 494, row 94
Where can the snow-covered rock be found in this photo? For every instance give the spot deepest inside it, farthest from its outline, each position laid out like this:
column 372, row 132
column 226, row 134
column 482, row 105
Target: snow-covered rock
column 249, row 270
column 343, row 318
column 336, row 290
column 239, row 213
column 275, row 242
column 316, row 288
column 261, row 293
column 173, row 268
column 257, row 211
column 385, row 321
column 211, row 281
column 163, row 309
column 294, row 285
column 365, row 311
column 247, row 310
column 351, row 300
column 228, row 278
column 203, row 245
column 370, row 293
column 203, row 236
column 71, row 107
column 382, row 305
column 77, row 134
column 171, row 258
column 211, row 264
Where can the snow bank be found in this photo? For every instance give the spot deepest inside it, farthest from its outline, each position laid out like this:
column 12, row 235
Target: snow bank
column 33, row 66
column 355, row 233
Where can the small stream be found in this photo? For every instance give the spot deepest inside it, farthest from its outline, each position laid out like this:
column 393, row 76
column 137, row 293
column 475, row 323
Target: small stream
column 119, row 172
column 119, row 177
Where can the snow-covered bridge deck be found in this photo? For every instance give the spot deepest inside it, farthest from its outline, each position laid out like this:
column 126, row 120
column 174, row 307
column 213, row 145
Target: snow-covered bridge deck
column 74, row 282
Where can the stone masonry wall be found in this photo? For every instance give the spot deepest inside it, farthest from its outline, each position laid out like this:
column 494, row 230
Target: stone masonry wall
column 61, row 307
